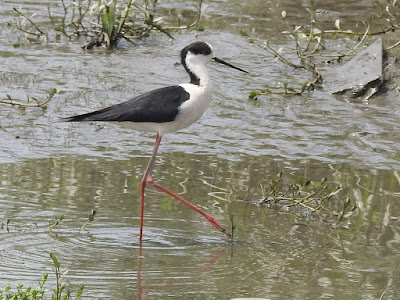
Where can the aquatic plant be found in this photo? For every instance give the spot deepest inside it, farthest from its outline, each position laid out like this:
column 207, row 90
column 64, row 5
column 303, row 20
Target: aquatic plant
column 306, row 199
column 105, row 22
column 56, row 222
column 25, row 293
column 311, row 40
column 90, row 219
column 28, row 293
column 58, row 291
column 30, row 101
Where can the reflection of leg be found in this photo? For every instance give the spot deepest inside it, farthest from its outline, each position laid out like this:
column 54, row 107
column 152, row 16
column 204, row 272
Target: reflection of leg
column 139, row 292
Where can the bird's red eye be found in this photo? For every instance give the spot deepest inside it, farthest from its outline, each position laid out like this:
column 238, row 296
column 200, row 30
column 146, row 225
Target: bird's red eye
column 206, row 52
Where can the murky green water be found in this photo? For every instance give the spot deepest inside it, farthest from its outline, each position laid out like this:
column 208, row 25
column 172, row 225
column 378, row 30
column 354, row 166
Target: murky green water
column 50, row 169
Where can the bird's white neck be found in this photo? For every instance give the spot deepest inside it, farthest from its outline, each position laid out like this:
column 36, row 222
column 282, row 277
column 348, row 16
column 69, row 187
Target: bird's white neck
column 195, row 66
column 199, row 75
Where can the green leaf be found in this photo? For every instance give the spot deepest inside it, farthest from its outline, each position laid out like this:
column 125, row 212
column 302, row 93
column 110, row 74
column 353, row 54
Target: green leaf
column 79, row 291
column 304, row 87
column 55, row 261
column 244, row 33
column 253, row 95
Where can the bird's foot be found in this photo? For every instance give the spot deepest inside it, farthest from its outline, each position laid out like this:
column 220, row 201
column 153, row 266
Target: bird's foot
column 217, row 225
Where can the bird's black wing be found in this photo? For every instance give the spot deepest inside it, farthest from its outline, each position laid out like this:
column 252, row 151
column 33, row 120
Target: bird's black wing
column 160, row 105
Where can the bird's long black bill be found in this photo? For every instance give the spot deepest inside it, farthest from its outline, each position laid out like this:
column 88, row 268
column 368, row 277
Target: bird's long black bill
column 228, row 64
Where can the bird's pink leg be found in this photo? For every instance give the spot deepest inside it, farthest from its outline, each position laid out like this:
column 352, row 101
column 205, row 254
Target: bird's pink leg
column 148, row 179
column 209, row 218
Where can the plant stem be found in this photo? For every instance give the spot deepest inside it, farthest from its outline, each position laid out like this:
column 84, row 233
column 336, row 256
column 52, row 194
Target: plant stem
column 123, row 19
column 29, row 20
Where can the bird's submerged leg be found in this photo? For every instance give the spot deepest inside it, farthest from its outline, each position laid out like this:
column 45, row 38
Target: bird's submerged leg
column 148, row 179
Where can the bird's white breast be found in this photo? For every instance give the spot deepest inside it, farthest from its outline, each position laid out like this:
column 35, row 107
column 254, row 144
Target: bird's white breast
column 192, row 109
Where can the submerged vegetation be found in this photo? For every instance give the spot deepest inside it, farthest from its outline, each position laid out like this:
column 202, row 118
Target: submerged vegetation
column 104, row 22
column 311, row 44
column 307, row 199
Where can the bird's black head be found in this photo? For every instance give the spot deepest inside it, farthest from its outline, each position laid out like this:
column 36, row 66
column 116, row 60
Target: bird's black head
column 200, row 53
column 196, row 48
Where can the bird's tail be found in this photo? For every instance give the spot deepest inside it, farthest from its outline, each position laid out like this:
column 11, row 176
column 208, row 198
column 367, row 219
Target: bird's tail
column 99, row 115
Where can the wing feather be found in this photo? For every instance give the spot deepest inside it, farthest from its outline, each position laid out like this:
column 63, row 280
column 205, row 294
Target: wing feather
column 158, row 106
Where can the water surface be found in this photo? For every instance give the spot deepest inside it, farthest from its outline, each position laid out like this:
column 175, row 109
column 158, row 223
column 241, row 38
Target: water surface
column 50, row 169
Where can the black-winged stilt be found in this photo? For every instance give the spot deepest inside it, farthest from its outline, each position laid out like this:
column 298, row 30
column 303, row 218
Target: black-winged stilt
column 167, row 110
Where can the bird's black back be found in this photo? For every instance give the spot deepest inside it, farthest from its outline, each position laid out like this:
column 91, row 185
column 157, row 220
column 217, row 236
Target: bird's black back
column 158, row 106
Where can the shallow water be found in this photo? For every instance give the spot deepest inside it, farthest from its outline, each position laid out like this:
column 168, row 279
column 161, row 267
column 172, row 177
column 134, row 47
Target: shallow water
column 50, row 169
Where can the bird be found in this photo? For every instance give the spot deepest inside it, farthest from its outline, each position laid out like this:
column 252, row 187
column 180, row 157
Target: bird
column 165, row 110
